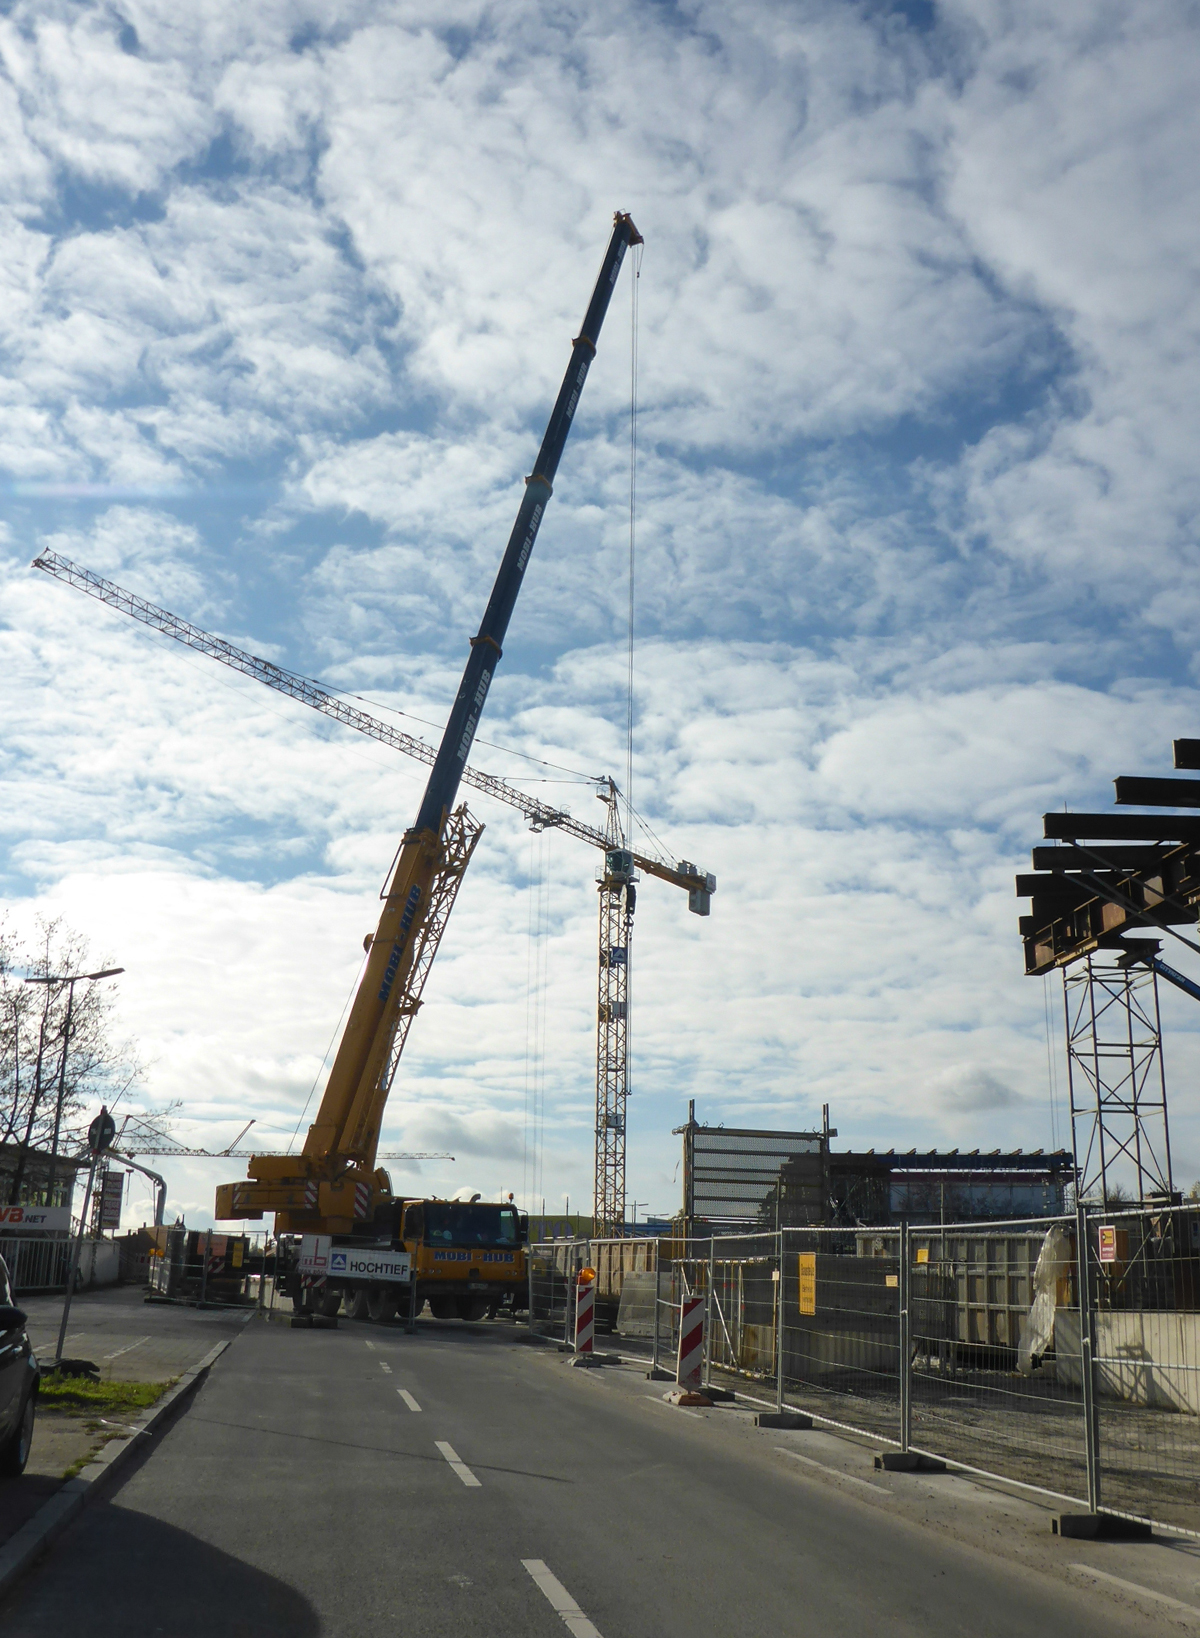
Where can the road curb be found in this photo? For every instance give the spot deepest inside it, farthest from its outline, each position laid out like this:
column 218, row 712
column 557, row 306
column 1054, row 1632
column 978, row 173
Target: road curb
column 23, row 1550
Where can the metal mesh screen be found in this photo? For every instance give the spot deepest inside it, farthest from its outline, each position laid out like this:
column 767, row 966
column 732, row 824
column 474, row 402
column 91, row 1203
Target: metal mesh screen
column 733, row 1173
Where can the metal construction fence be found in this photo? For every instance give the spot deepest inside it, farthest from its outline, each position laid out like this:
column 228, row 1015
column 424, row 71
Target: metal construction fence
column 36, row 1262
column 993, row 1346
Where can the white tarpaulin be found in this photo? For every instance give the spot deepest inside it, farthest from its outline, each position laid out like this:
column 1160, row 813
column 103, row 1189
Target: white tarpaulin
column 1055, row 1261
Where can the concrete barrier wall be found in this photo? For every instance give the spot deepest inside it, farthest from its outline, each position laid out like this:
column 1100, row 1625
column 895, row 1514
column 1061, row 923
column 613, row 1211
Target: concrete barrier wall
column 1145, row 1359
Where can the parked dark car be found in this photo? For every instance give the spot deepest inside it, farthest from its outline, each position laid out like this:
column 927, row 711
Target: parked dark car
column 20, row 1379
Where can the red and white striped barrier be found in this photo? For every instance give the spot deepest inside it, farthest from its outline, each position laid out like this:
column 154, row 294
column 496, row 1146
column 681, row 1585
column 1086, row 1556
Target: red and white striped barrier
column 691, row 1342
column 585, row 1315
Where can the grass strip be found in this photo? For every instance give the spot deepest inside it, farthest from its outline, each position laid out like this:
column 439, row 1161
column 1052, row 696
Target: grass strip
column 80, row 1397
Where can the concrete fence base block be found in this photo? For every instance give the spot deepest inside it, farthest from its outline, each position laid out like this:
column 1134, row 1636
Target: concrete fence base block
column 659, row 1375
column 782, row 1419
column 302, row 1322
column 1099, row 1527
column 325, row 1322
column 688, row 1396
column 720, row 1396
column 908, row 1461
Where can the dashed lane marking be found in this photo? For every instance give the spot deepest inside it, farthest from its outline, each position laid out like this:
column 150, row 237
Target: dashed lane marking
column 408, row 1399
column 459, row 1466
column 385, row 1368
column 1138, row 1591
column 128, row 1349
column 834, row 1472
column 370, row 1345
column 576, row 1621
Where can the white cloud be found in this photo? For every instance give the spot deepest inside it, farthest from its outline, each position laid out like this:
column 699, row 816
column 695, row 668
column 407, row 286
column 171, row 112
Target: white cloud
column 291, row 285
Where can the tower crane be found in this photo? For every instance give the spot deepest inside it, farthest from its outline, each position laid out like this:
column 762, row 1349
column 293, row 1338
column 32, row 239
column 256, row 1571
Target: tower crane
column 333, row 1186
column 617, row 891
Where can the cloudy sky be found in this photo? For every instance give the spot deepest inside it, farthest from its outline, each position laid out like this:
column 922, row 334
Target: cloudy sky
column 287, row 291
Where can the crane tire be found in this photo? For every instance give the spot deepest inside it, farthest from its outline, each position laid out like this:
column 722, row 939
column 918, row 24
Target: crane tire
column 381, row 1303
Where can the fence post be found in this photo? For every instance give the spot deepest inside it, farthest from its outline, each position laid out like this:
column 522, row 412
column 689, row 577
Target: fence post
column 1087, row 1355
column 204, row 1268
column 657, row 1271
column 529, row 1280
column 73, row 1265
column 905, row 1342
column 779, row 1328
column 706, row 1371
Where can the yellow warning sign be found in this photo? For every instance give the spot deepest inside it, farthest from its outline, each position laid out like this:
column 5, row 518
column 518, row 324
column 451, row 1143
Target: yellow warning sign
column 237, row 1254
column 808, row 1282
column 922, row 1254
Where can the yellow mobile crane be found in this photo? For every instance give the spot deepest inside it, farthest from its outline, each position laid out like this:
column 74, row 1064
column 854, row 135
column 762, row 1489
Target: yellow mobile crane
column 332, row 1191
column 332, row 1187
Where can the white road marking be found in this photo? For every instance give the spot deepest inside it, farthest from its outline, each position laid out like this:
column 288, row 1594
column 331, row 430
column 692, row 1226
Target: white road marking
column 577, row 1623
column 387, row 1369
column 459, row 1466
column 371, row 1346
column 129, row 1349
column 408, row 1399
column 1139, row 1591
column 835, row 1472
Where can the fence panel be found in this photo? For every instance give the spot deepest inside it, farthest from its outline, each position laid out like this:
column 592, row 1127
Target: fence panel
column 994, row 1362
column 841, row 1331
column 36, row 1263
column 1145, row 1268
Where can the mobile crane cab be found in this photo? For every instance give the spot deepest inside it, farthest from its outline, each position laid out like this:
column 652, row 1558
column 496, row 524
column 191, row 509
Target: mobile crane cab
column 465, row 1258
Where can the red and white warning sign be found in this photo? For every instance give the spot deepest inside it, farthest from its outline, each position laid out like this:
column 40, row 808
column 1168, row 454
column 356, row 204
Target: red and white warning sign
column 691, row 1342
column 585, row 1311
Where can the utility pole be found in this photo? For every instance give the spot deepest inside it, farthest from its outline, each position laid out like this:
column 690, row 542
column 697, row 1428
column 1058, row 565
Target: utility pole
column 70, row 980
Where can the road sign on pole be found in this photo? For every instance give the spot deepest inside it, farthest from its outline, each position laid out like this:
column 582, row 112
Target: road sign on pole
column 101, row 1132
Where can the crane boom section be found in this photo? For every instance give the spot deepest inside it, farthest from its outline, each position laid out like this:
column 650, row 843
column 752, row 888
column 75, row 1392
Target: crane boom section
column 487, row 644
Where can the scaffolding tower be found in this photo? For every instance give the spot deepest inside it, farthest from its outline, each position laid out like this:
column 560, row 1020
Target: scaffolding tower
column 1116, row 1080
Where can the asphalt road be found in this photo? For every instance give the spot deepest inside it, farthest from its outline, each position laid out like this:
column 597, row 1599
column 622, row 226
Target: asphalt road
column 361, row 1482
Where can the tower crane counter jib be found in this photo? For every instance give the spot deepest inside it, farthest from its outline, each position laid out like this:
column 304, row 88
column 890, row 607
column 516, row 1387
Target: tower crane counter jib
column 332, row 1187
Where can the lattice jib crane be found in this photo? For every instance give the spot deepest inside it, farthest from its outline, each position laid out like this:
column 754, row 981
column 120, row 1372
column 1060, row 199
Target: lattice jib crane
column 617, row 891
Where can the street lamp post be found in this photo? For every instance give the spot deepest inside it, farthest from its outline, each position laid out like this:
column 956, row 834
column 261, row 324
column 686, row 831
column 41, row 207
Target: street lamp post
column 70, row 980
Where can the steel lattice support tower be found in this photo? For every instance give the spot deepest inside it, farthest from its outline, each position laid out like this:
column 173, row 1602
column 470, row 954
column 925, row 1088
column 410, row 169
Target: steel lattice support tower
column 618, row 896
column 1115, row 1074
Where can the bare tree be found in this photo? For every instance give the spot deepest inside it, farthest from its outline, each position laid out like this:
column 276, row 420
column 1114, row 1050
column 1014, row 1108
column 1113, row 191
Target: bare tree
column 50, row 1076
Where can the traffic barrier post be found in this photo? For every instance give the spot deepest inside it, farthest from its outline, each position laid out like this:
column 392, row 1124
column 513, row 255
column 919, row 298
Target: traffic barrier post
column 585, row 1311
column 690, row 1362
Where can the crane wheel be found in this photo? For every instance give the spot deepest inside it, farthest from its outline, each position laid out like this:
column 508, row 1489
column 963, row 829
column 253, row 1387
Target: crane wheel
column 472, row 1308
column 331, row 1302
column 381, row 1303
column 443, row 1307
column 356, row 1304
